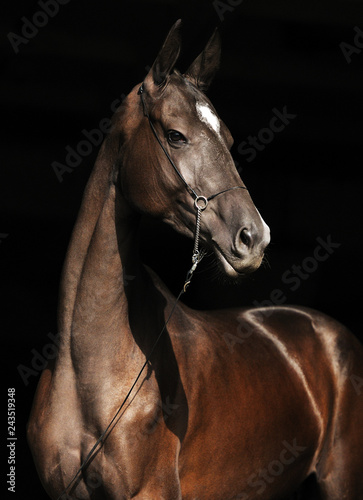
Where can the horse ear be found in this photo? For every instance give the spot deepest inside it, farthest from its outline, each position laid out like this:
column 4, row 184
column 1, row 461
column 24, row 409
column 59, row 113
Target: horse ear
column 201, row 72
column 167, row 57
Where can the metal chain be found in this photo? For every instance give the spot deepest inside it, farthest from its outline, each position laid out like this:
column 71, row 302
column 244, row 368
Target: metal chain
column 196, row 238
column 200, row 203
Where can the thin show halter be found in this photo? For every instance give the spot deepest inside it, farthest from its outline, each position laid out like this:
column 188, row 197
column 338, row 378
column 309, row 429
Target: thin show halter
column 200, row 204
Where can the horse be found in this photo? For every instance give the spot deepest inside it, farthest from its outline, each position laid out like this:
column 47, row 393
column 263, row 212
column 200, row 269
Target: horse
column 274, row 410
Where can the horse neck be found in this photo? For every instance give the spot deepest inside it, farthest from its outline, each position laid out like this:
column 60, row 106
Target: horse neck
column 102, row 260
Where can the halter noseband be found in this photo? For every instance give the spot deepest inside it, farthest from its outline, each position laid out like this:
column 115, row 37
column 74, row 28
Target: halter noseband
column 200, row 202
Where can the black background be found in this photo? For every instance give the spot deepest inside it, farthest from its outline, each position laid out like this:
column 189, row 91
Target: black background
column 306, row 182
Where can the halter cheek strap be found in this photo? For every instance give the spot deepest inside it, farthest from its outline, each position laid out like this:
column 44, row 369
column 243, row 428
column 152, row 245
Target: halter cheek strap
column 146, row 113
column 200, row 202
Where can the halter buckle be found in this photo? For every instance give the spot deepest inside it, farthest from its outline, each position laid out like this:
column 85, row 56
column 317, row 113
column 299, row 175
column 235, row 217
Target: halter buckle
column 201, row 203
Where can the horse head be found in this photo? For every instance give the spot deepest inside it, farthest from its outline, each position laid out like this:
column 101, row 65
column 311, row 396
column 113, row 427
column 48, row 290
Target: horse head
column 169, row 122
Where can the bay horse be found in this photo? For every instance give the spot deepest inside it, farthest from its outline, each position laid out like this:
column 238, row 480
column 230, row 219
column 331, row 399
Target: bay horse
column 253, row 418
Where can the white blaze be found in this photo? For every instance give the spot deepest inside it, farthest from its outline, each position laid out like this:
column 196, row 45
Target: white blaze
column 207, row 116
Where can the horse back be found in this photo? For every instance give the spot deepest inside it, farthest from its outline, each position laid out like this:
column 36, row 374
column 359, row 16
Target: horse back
column 275, row 378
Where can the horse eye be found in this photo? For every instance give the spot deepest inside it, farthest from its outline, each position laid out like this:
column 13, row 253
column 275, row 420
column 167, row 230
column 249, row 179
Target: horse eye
column 176, row 137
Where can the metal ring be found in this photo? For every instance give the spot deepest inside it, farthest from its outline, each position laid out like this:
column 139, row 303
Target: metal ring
column 204, row 201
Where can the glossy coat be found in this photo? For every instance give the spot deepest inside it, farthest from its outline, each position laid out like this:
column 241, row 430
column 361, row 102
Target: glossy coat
column 234, row 404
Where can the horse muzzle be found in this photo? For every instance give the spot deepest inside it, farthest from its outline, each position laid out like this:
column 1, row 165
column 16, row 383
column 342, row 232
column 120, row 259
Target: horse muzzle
column 246, row 251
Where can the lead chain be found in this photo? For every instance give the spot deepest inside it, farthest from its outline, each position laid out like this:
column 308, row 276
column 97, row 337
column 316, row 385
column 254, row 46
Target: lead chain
column 200, row 204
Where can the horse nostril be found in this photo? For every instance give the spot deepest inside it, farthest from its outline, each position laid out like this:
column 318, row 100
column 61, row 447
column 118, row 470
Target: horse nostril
column 246, row 237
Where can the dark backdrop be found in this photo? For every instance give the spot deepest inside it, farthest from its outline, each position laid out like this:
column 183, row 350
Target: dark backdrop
column 306, row 182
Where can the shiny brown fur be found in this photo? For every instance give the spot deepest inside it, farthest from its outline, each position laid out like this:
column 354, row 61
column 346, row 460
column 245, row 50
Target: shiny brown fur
column 235, row 404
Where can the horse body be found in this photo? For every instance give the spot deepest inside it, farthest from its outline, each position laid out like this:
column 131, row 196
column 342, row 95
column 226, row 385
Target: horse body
column 234, row 404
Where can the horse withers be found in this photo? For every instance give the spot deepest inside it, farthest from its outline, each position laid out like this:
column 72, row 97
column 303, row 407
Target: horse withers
column 257, row 418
